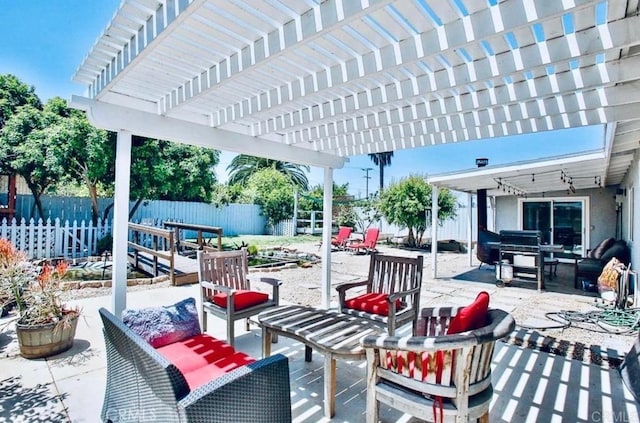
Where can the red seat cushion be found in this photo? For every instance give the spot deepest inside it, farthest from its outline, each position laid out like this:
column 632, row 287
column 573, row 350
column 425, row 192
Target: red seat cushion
column 371, row 303
column 203, row 358
column 242, row 299
column 195, row 352
column 473, row 316
column 199, row 377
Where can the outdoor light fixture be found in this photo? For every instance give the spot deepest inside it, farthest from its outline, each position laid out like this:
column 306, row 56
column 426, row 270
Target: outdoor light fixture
column 482, row 162
column 620, row 194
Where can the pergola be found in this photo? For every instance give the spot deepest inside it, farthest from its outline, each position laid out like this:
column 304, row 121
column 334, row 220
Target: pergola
column 315, row 82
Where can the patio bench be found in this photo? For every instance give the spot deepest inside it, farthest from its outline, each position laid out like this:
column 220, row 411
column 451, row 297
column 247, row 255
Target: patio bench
column 198, row 379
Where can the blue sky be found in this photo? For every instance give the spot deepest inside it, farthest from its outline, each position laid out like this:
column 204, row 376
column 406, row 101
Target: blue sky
column 43, row 42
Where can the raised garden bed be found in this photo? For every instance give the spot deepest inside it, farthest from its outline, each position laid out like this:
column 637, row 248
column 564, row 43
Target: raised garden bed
column 280, row 258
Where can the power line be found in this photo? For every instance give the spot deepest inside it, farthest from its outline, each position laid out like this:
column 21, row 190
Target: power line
column 367, row 177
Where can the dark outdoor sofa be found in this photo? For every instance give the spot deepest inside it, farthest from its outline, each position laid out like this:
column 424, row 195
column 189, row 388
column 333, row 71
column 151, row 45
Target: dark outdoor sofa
column 590, row 267
column 143, row 385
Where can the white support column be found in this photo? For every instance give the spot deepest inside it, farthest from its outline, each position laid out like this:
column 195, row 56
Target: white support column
column 470, row 228
column 492, row 201
column 121, row 223
column 434, row 231
column 295, row 212
column 327, row 218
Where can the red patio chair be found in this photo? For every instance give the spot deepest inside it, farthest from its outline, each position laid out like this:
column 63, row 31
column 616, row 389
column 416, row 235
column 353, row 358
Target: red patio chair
column 369, row 242
column 340, row 241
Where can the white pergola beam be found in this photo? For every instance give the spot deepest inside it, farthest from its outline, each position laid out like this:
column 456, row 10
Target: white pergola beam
column 335, row 114
column 115, row 118
column 569, row 102
column 463, row 127
column 426, row 44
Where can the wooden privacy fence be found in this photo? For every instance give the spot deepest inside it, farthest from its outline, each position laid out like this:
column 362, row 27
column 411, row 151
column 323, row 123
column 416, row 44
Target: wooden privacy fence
column 54, row 239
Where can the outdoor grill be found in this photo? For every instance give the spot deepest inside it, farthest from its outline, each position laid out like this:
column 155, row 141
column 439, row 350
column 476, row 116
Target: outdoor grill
column 524, row 251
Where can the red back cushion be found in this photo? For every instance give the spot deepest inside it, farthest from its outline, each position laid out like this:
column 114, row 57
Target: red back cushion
column 241, row 299
column 371, row 303
column 473, row 316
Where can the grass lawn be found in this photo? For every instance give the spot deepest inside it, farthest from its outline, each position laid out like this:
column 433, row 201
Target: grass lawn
column 262, row 241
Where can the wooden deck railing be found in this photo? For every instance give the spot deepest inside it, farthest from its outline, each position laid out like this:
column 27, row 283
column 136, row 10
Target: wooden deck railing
column 161, row 243
column 201, row 242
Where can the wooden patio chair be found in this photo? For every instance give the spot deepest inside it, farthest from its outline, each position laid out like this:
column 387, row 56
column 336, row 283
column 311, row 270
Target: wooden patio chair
column 391, row 292
column 226, row 292
column 340, row 241
column 368, row 244
column 435, row 376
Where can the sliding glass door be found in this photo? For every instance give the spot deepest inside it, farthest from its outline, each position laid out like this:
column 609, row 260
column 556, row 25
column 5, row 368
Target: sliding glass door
column 561, row 220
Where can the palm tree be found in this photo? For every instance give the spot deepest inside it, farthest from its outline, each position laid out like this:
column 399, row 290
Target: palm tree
column 381, row 160
column 243, row 166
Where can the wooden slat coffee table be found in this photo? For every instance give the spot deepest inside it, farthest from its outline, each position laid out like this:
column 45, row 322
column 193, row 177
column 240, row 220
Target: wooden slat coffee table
column 331, row 333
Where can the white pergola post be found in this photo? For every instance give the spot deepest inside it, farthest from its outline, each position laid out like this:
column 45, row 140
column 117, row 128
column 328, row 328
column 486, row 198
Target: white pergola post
column 121, row 223
column 434, row 231
column 470, row 228
column 327, row 220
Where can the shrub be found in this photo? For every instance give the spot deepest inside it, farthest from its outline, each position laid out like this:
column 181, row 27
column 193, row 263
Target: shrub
column 105, row 244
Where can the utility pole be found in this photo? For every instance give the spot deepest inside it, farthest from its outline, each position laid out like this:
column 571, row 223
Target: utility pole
column 367, row 177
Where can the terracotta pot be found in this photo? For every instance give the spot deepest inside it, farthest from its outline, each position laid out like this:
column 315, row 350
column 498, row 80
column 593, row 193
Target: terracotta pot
column 39, row 341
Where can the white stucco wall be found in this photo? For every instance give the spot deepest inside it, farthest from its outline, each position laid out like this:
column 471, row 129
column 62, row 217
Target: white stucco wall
column 631, row 210
column 602, row 212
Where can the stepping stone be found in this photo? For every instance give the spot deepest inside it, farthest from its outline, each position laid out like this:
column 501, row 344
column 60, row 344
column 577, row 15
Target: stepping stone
column 540, row 324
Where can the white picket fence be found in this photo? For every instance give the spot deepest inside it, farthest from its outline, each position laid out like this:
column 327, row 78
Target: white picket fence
column 283, row 228
column 54, row 239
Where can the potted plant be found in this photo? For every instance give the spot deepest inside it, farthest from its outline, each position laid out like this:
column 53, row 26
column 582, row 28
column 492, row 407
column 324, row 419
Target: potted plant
column 45, row 325
column 15, row 274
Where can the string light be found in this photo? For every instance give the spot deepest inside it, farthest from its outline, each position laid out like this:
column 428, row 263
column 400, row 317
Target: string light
column 509, row 187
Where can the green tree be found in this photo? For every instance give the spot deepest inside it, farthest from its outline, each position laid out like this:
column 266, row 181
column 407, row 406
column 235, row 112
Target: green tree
column 192, row 172
column 29, row 147
column 13, row 94
column 89, row 152
column 162, row 170
column 243, row 166
column 406, row 202
column 367, row 214
column 225, row 194
column 314, row 198
column 381, row 160
column 273, row 192
column 343, row 213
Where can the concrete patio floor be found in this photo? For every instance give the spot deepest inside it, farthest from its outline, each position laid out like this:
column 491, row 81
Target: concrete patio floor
column 530, row 385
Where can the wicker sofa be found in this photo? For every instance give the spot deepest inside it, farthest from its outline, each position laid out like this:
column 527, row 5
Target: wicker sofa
column 144, row 385
column 590, row 267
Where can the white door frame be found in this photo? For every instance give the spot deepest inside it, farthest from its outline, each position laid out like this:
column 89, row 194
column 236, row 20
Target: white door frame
column 586, row 221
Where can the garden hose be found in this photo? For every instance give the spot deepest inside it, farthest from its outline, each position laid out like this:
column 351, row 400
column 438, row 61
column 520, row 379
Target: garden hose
column 610, row 320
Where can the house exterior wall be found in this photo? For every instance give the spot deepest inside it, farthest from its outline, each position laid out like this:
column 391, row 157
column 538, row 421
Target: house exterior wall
column 631, row 209
column 506, row 213
column 21, row 186
column 601, row 218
